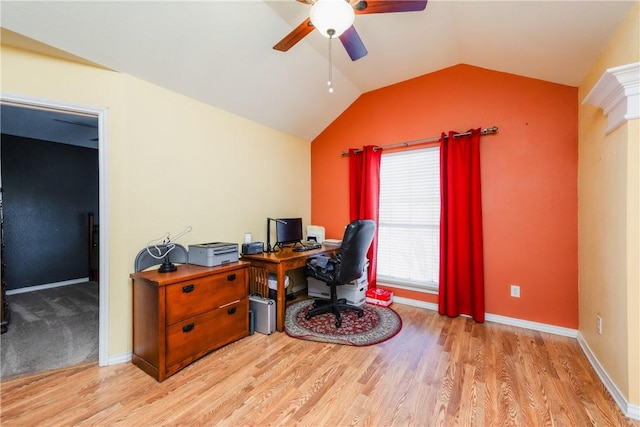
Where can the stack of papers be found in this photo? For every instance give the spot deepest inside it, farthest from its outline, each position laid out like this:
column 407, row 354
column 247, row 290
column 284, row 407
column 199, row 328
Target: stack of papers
column 332, row 242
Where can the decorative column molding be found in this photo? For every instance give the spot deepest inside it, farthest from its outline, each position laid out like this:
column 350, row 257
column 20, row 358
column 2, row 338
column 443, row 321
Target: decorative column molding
column 618, row 94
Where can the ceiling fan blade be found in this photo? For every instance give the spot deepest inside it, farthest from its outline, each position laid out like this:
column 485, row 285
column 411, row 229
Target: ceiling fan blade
column 295, row 36
column 388, row 6
column 353, row 44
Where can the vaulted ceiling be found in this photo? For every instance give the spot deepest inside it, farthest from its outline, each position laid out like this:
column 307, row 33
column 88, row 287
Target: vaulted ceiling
column 220, row 52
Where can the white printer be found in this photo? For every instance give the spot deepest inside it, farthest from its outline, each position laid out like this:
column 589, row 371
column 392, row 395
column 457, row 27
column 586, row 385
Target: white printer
column 213, row 254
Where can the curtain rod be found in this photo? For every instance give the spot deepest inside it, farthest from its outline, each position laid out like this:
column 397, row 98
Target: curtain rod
column 484, row 131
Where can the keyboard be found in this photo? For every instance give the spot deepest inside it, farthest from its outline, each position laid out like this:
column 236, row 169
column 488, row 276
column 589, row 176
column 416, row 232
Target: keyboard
column 307, row 246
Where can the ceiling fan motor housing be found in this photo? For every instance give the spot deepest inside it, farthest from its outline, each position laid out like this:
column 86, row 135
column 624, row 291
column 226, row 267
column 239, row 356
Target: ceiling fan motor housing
column 332, row 17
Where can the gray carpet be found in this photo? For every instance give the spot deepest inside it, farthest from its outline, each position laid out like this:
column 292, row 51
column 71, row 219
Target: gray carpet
column 50, row 329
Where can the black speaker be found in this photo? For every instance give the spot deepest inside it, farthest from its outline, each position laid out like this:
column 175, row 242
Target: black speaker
column 252, row 323
column 252, row 248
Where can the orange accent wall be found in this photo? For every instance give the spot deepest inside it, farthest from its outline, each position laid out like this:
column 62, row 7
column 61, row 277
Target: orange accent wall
column 529, row 176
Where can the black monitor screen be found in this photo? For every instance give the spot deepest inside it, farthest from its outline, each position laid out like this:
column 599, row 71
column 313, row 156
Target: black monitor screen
column 291, row 232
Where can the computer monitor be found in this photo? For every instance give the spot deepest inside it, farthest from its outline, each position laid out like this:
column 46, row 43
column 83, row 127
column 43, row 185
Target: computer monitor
column 288, row 230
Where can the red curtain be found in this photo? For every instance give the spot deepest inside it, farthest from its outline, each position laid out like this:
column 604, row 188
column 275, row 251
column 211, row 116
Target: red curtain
column 364, row 196
column 461, row 258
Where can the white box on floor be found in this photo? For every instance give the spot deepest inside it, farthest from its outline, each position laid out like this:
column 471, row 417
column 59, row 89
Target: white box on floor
column 354, row 293
column 317, row 288
column 362, row 280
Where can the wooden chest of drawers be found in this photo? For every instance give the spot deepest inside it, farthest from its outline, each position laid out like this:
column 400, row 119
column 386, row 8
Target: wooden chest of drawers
column 181, row 316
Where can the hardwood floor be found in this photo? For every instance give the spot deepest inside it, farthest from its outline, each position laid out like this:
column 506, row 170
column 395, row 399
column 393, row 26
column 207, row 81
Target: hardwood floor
column 436, row 371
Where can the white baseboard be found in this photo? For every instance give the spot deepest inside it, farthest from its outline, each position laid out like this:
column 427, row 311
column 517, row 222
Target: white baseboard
column 116, row 359
column 416, row 303
column 496, row 318
column 633, row 411
column 47, row 286
column 628, row 409
column 527, row 324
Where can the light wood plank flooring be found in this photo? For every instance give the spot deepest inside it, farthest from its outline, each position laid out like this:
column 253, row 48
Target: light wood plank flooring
column 436, row 372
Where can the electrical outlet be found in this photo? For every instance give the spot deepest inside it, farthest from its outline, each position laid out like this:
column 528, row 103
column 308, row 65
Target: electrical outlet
column 599, row 324
column 515, row 291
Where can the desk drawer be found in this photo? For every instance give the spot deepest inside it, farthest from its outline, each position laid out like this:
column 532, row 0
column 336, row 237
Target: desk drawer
column 196, row 336
column 190, row 298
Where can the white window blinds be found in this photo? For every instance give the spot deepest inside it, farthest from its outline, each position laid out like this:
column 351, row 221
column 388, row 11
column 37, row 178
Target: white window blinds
column 409, row 223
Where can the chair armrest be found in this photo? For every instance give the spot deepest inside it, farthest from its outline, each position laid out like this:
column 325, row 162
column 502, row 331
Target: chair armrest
column 319, row 261
column 321, row 267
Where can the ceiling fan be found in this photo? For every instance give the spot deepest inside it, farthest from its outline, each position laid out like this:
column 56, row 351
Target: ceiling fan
column 329, row 15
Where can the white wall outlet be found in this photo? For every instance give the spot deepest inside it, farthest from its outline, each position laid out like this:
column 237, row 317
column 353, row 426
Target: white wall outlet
column 599, row 324
column 515, row 291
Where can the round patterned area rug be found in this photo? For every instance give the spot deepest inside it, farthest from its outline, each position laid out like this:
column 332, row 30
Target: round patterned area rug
column 376, row 325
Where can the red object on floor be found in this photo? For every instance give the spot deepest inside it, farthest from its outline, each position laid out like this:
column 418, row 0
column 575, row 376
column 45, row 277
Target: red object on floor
column 379, row 296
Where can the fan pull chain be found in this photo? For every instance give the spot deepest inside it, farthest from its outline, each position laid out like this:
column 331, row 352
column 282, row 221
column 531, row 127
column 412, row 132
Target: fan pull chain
column 330, row 81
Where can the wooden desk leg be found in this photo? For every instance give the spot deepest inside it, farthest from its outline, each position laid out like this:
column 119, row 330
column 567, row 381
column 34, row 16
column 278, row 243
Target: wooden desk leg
column 281, row 299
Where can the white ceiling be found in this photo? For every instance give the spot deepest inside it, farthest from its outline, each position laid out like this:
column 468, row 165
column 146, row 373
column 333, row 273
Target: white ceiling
column 220, row 51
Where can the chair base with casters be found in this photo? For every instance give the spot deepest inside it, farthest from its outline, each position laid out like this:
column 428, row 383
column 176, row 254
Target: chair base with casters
column 335, row 306
column 345, row 267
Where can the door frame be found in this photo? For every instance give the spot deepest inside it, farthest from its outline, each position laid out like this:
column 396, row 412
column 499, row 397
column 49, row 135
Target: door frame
column 103, row 199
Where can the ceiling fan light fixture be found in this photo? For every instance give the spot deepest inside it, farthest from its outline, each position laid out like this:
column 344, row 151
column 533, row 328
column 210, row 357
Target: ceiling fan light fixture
column 332, row 17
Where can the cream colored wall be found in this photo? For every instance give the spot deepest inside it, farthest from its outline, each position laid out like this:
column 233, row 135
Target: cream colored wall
column 608, row 223
column 173, row 162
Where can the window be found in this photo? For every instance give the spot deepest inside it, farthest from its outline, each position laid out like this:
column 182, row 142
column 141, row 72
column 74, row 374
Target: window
column 409, row 222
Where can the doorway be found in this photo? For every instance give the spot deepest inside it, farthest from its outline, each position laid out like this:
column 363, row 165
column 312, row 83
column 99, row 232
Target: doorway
column 74, row 117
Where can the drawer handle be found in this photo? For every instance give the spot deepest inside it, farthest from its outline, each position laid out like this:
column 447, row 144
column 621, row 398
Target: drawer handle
column 188, row 328
column 188, row 288
column 231, row 310
column 231, row 277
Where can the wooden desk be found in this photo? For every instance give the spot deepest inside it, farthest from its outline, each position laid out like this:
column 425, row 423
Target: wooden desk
column 280, row 262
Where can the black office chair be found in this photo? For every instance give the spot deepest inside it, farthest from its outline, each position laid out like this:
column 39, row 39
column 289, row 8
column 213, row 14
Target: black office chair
column 345, row 267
